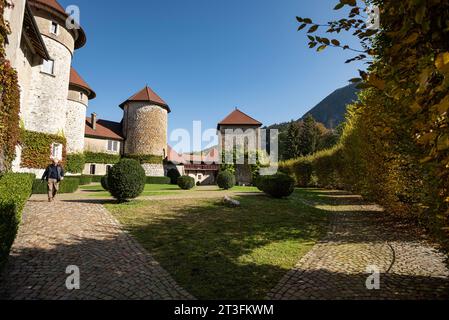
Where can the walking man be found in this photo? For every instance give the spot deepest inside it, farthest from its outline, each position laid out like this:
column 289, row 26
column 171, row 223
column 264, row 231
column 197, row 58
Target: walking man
column 54, row 174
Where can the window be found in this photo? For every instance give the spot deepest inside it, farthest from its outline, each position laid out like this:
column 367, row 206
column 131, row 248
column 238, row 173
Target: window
column 54, row 28
column 113, row 146
column 56, row 151
column 81, row 95
column 93, row 169
column 108, row 168
column 48, row 66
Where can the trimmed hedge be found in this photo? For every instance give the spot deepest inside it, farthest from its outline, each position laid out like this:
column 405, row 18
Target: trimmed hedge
column 173, row 174
column 15, row 189
column 226, row 180
column 68, row 185
column 157, row 180
column 126, row 180
column 85, row 180
column 186, row 182
column 278, row 185
column 97, row 179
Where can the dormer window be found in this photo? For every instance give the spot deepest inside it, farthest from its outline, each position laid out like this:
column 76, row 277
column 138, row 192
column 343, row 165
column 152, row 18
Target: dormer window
column 48, row 66
column 54, row 28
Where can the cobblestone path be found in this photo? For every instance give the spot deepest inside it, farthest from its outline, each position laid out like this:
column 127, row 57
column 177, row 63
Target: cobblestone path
column 112, row 265
column 336, row 268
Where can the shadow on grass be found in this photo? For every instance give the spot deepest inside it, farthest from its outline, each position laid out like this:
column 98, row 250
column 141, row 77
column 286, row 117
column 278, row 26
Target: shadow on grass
column 213, row 251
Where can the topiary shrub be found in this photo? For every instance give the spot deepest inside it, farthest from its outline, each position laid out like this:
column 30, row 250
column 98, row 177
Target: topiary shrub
column 258, row 182
column 173, row 174
column 278, row 185
column 158, row 180
column 186, row 182
column 104, row 183
column 126, row 180
column 226, row 180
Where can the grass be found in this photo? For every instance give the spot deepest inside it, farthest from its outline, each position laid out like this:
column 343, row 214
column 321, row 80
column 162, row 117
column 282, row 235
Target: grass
column 217, row 252
column 160, row 190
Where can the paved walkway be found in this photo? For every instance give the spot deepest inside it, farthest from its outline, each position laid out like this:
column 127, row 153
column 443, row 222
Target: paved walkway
column 360, row 236
column 112, row 265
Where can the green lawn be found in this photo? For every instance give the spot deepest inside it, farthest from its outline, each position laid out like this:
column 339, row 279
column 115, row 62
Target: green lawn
column 160, row 190
column 217, row 252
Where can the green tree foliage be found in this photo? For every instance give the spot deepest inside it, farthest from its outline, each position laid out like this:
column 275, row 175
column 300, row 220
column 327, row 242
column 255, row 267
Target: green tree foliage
column 308, row 139
column 396, row 141
column 226, row 180
column 292, row 148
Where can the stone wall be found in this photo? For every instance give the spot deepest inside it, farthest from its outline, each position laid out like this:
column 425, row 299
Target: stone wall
column 153, row 170
column 146, row 129
column 75, row 125
column 45, row 109
column 14, row 16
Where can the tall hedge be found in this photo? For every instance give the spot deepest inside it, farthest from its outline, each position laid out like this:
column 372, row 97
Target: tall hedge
column 15, row 189
column 103, row 158
column 9, row 102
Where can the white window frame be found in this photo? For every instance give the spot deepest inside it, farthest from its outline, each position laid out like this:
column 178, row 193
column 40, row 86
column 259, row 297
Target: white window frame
column 56, row 151
column 54, row 24
column 43, row 68
column 113, row 146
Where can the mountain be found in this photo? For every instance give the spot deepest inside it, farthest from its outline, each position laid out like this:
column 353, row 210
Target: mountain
column 331, row 111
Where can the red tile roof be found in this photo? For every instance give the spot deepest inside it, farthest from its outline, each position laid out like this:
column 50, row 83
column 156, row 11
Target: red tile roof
column 147, row 95
column 54, row 7
column 104, row 129
column 237, row 117
column 76, row 80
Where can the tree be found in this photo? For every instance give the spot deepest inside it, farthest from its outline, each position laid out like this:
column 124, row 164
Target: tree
column 292, row 147
column 308, row 137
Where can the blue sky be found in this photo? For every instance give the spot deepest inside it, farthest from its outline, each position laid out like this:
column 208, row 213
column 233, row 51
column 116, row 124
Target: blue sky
column 206, row 57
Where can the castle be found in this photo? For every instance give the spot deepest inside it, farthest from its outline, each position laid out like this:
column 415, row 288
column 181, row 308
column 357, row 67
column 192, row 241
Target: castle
column 54, row 101
column 55, row 98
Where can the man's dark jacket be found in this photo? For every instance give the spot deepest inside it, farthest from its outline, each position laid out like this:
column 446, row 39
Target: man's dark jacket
column 53, row 172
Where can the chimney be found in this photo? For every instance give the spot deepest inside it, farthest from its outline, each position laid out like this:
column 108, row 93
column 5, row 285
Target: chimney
column 93, row 121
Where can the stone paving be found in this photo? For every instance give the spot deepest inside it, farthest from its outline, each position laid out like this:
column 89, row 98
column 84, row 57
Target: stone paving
column 112, row 264
column 360, row 236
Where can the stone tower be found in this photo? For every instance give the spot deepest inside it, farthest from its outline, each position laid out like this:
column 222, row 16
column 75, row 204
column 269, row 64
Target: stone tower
column 145, row 127
column 45, row 108
column 78, row 99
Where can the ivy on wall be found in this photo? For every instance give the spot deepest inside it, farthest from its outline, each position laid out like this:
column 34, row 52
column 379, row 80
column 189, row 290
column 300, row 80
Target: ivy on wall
column 9, row 101
column 145, row 159
column 75, row 163
column 104, row 158
column 36, row 149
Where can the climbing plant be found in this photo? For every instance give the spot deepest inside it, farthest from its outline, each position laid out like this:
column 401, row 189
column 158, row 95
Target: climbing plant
column 36, row 149
column 9, row 101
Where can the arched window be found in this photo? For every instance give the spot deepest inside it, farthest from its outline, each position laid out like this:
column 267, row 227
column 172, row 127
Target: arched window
column 93, row 169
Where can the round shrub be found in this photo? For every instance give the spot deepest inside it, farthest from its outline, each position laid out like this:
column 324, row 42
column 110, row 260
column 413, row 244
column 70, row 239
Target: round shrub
column 186, row 182
column 126, row 180
column 278, row 185
column 226, row 180
column 258, row 182
column 173, row 174
column 104, row 183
